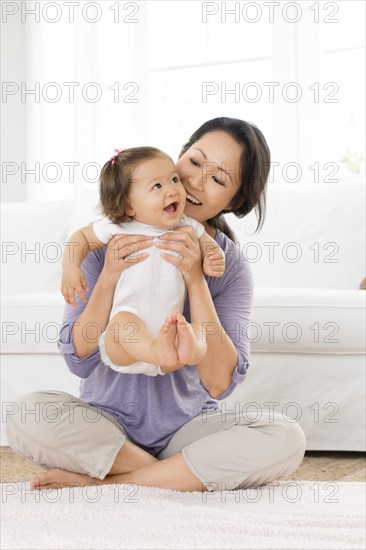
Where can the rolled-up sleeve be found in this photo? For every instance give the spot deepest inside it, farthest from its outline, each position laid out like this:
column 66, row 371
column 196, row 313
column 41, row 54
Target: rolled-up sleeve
column 233, row 303
column 81, row 367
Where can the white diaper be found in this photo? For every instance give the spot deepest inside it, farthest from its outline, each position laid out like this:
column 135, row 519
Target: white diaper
column 137, row 368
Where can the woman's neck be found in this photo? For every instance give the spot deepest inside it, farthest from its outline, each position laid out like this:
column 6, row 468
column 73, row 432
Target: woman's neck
column 210, row 230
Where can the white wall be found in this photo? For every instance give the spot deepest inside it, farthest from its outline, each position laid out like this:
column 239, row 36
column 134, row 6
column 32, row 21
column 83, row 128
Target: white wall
column 13, row 113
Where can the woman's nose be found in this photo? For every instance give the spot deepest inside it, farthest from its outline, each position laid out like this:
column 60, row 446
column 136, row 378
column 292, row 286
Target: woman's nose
column 195, row 182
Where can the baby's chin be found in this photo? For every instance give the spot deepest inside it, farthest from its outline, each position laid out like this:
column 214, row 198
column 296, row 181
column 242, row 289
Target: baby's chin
column 193, row 213
column 192, row 209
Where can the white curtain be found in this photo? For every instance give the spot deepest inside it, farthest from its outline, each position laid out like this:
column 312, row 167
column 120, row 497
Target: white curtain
column 90, row 80
column 157, row 58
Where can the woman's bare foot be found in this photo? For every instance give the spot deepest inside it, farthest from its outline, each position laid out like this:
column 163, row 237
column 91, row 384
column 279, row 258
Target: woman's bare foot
column 56, row 478
column 191, row 347
column 165, row 343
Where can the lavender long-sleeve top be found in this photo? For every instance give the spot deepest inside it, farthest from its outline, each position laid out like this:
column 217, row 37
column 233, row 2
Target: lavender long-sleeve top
column 152, row 408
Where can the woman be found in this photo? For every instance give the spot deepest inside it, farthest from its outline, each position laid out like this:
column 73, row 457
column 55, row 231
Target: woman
column 114, row 432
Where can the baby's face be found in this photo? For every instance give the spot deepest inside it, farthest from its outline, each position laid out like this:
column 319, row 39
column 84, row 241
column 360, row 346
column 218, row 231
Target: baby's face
column 157, row 196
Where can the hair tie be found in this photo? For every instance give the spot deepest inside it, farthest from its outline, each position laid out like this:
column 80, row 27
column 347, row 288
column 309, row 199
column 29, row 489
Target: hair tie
column 113, row 159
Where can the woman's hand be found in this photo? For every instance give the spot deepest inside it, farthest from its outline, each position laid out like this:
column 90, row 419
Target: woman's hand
column 184, row 241
column 121, row 246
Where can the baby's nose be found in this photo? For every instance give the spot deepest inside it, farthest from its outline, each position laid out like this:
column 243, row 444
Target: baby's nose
column 172, row 189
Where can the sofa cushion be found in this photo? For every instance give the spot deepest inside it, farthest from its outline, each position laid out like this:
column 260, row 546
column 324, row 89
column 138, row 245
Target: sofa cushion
column 32, row 244
column 305, row 320
column 31, row 323
column 283, row 321
column 313, row 236
column 86, row 208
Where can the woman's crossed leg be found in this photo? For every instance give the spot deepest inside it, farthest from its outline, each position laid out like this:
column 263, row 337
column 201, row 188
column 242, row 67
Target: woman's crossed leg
column 210, row 452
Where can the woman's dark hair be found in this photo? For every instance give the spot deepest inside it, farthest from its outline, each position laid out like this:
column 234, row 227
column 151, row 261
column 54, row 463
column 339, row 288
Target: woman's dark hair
column 116, row 178
column 254, row 168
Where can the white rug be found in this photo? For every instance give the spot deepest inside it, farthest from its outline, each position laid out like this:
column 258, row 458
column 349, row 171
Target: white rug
column 282, row 515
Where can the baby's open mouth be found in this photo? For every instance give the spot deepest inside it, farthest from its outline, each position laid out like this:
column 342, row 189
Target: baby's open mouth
column 171, row 207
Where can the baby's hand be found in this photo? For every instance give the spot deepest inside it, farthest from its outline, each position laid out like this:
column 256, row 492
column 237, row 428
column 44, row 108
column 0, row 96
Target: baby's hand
column 73, row 280
column 214, row 262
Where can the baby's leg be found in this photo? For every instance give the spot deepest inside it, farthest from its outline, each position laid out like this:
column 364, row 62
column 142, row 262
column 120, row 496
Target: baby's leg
column 128, row 341
column 168, row 339
column 192, row 346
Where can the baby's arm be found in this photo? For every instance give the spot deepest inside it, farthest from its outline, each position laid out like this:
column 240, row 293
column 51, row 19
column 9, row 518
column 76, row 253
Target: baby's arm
column 77, row 248
column 213, row 256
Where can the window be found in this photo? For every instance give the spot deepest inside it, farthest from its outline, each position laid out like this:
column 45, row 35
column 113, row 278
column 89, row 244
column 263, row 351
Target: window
column 293, row 68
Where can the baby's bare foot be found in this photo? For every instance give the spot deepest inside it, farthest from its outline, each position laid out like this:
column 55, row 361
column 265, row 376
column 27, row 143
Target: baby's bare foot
column 165, row 344
column 191, row 349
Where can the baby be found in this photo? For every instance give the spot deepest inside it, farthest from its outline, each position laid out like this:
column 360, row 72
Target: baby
column 141, row 194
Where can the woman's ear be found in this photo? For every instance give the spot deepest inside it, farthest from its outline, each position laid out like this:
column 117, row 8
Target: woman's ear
column 229, row 207
column 232, row 206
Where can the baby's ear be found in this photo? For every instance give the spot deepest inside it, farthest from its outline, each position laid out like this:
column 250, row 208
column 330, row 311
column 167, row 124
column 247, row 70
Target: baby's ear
column 129, row 210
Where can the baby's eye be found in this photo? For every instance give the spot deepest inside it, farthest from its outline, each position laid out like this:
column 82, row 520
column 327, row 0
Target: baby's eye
column 175, row 179
column 156, row 185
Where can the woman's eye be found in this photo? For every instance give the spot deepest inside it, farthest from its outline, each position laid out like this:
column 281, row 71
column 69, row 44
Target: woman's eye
column 194, row 162
column 216, row 180
column 156, row 185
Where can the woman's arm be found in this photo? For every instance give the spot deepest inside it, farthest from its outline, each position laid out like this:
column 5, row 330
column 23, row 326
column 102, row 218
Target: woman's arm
column 226, row 360
column 226, row 319
column 78, row 341
column 217, row 367
column 94, row 318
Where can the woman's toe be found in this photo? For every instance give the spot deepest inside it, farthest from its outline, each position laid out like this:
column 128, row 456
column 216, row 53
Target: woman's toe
column 39, row 480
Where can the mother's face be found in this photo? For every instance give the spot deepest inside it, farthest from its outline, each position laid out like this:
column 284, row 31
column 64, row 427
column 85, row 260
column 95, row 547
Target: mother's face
column 210, row 173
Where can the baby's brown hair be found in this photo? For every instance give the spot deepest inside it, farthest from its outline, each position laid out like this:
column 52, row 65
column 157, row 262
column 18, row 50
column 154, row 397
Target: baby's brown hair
column 116, row 178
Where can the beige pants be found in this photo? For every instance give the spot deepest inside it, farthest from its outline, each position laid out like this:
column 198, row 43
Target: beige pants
column 225, row 450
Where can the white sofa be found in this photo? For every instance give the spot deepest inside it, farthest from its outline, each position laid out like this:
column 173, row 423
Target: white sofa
column 308, row 318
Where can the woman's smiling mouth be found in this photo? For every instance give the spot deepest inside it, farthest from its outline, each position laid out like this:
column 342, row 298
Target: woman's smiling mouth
column 192, row 200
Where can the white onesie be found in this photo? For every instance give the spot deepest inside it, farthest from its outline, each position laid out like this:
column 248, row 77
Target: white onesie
column 150, row 289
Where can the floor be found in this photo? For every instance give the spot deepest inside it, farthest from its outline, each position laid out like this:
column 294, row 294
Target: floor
column 316, row 466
